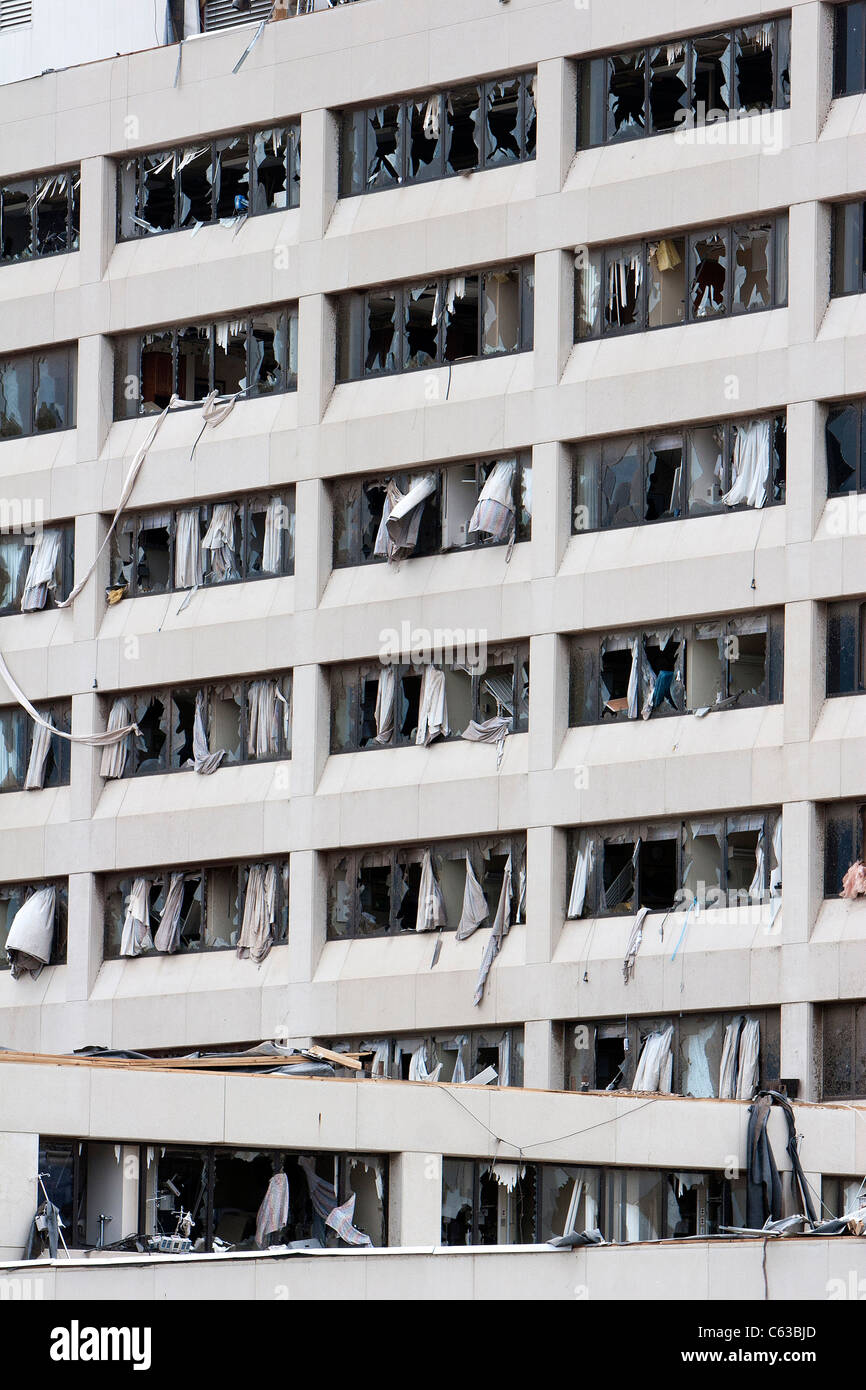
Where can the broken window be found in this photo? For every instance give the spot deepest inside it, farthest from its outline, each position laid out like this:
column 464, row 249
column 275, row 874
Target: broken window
column 488, row 1203
column 30, row 757
column 839, row 1196
column 13, row 897
column 696, row 471
column 437, row 134
column 23, row 585
column 37, row 392
column 644, row 285
column 379, row 706
column 252, row 355
column 849, row 48
column 843, row 1035
column 649, row 90
column 843, row 845
column 252, row 172
column 243, row 721
column 376, row 892
column 848, row 249
column 845, row 441
column 39, row 216
column 472, row 505
column 451, row 319
column 195, row 908
column 845, row 648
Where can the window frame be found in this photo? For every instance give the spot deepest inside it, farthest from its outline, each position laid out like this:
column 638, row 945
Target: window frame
column 58, row 756
column 357, row 119
column 72, row 173
column 71, row 393
column 645, row 438
column 67, row 569
column 60, row 942
column 478, row 847
column 836, row 215
column 840, row 28
column 596, row 102
column 133, row 164
column 122, row 881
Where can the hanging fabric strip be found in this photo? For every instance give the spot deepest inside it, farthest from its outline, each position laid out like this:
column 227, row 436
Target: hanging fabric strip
column 431, row 904
column 260, row 906
column 498, row 932
column 219, row 539
column 114, row 756
column 95, row 740
column 276, row 522
column 384, row 712
column 31, row 934
column 583, row 866
column 475, row 909
column 128, row 484
column 187, row 550
column 203, row 760
column 494, row 513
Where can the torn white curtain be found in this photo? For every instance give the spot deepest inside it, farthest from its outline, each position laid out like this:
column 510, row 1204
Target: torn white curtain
column 475, row 909
column 418, row 1066
column 187, row 550
column 128, row 484
column 507, row 1174
column 39, row 747
column 455, row 289
column 756, row 887
column 219, row 539
column 273, row 1214
column 401, row 517
column 260, row 906
column 617, row 284
column 31, row 935
column 431, row 118
column 634, row 942
column 119, row 722
column 341, row 1220
column 167, row 938
column 379, row 1064
column 40, row 571
column 655, row 1068
column 747, row 1062
column 494, row 513
column 432, row 707
column 267, row 709
column 276, row 522
column 634, row 681
column 431, row 904
column 751, row 465
column 494, row 730
column 583, row 866
column 203, row 760
column 458, row 1076
column 136, row 936
column 498, row 932
column 384, row 712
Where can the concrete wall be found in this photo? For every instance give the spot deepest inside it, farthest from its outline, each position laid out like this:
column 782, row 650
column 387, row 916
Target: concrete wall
column 805, row 1269
column 795, row 756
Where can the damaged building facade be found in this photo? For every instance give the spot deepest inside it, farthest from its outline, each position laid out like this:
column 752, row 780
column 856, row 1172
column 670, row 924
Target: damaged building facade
column 432, row 582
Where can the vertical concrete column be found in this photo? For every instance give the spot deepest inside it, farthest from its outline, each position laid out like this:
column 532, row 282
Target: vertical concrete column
column 548, row 708
column 556, row 103
column 98, row 217
column 85, row 783
column 19, row 1164
column 314, row 532
column 307, row 914
column 317, row 356
column 808, row 269
column 811, row 82
column 545, row 891
column 805, row 475
column 805, row 657
column 94, row 396
column 799, row 1050
column 415, row 1199
column 802, row 870
column 89, row 607
column 320, row 171
column 551, row 507
column 310, row 729
column 85, row 941
column 542, row 1055
column 553, row 334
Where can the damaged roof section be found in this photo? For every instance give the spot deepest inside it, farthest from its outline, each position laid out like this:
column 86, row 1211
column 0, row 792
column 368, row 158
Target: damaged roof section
column 432, row 135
